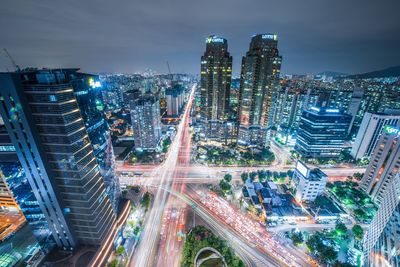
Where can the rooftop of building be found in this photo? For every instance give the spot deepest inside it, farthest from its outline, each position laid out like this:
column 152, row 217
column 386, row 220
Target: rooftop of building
column 316, row 175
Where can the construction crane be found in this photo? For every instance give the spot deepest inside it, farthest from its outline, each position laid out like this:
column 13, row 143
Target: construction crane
column 170, row 75
column 17, row 68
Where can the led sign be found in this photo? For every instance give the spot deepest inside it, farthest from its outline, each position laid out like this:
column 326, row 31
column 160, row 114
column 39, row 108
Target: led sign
column 300, row 167
column 391, row 130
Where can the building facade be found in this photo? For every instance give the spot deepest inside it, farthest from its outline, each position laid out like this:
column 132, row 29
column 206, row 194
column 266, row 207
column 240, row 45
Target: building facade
column 370, row 131
column 381, row 242
column 322, row 133
column 215, row 82
column 258, row 84
column 43, row 120
column 88, row 92
column 175, row 98
column 309, row 183
column 291, row 102
column 384, row 164
column 146, row 122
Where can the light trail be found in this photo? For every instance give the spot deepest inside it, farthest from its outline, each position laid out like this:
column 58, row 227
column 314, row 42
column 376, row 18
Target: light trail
column 144, row 255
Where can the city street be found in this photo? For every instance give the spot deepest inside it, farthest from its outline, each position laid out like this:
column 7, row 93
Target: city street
column 162, row 238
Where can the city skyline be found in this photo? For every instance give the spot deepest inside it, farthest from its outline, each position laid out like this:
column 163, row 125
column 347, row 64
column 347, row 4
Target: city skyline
column 226, row 133
column 131, row 37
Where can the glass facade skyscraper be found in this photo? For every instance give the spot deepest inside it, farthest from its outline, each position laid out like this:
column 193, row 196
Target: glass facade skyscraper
column 322, row 133
column 45, row 125
column 88, row 91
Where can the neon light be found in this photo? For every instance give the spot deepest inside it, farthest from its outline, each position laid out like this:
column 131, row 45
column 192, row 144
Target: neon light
column 215, row 39
column 315, row 108
column 391, row 130
column 332, row 110
column 269, row 36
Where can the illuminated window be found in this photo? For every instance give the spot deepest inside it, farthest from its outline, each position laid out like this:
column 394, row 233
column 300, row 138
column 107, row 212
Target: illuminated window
column 52, row 98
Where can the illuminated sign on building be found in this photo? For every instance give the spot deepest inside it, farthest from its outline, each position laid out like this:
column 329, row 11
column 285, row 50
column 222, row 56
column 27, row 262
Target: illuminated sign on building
column 94, row 84
column 332, row 110
column 301, row 168
column 215, row 39
column 391, row 130
column 269, row 36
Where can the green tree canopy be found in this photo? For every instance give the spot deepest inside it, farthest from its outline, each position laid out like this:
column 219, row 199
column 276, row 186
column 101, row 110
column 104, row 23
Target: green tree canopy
column 358, row 231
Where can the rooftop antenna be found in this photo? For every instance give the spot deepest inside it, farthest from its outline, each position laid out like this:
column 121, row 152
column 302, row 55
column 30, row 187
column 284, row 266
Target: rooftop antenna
column 17, row 68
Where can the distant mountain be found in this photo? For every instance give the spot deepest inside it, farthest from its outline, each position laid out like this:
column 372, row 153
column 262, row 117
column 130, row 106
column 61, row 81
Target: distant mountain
column 389, row 72
column 333, row 74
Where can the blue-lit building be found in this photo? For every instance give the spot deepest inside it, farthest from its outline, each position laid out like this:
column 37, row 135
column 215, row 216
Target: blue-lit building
column 88, row 92
column 22, row 192
column 322, row 133
column 42, row 117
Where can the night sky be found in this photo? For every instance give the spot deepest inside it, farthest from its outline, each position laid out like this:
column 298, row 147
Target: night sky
column 126, row 36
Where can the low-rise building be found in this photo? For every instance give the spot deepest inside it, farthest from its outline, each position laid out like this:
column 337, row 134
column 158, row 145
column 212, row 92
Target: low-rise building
column 309, row 183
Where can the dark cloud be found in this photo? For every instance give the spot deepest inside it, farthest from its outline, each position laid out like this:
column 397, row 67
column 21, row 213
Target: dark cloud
column 132, row 35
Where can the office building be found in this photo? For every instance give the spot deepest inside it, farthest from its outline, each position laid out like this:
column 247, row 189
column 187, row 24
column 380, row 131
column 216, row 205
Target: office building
column 309, row 183
column 43, row 120
column 175, row 98
column 215, row 83
column 131, row 95
column 370, row 131
column 377, row 97
column 7, row 149
column 7, row 200
column 384, row 164
column 146, row 122
column 322, row 133
column 291, row 102
column 258, row 85
column 88, row 93
column 381, row 242
column 354, row 105
column 22, row 192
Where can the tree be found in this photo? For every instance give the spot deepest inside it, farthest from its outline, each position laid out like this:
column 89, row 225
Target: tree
column 252, row 176
column 261, row 175
column 244, row 177
column 136, row 230
column 314, row 242
column 297, row 238
column 119, row 250
column 358, row 231
column 341, row 229
column 228, row 177
column 114, row 263
column 327, row 254
column 225, row 186
column 146, row 200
